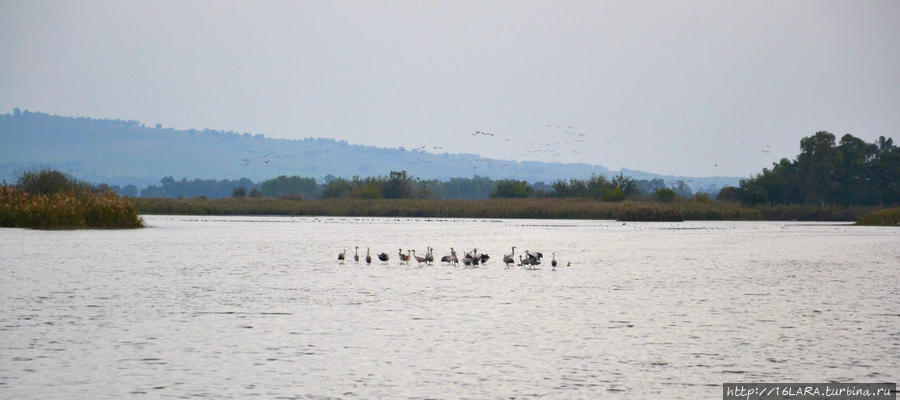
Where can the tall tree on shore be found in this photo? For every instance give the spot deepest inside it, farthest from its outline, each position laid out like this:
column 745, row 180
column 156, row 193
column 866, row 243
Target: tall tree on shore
column 852, row 172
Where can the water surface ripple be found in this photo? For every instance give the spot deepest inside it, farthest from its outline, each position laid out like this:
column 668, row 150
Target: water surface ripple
column 238, row 307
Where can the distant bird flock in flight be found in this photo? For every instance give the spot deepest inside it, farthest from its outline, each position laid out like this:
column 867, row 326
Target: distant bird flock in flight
column 527, row 259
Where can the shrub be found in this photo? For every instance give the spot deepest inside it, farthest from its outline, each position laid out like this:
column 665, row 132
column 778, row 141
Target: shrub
column 885, row 217
column 239, row 192
column 47, row 181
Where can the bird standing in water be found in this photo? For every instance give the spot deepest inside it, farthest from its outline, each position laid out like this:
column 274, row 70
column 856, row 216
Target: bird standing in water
column 404, row 258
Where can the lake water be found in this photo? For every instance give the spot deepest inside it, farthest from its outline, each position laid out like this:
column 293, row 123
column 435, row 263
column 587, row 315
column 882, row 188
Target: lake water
column 258, row 306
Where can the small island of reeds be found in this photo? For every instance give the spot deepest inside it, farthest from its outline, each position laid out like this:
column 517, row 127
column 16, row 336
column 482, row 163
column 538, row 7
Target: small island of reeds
column 885, row 217
column 50, row 199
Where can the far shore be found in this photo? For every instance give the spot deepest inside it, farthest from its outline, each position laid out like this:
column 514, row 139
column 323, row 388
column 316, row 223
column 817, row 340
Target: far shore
column 531, row 208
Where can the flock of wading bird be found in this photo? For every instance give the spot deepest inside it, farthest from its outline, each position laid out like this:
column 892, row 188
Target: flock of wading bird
column 529, row 260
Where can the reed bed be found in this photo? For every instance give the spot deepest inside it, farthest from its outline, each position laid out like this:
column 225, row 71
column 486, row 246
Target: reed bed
column 885, row 217
column 538, row 208
column 805, row 212
column 68, row 209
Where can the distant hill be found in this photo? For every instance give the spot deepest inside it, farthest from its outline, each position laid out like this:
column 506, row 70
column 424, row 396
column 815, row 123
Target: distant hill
column 128, row 152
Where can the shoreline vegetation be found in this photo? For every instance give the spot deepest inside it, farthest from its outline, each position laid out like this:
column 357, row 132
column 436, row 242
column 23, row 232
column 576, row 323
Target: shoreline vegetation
column 885, row 217
column 828, row 181
column 49, row 199
column 512, row 208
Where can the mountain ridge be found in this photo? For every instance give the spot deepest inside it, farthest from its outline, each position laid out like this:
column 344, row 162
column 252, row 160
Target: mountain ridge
column 129, row 152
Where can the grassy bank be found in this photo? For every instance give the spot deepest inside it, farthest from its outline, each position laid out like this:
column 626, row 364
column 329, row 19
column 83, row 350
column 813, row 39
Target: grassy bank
column 542, row 208
column 801, row 212
column 65, row 210
column 886, row 217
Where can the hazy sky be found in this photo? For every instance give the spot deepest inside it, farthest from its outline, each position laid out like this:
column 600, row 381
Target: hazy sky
column 692, row 87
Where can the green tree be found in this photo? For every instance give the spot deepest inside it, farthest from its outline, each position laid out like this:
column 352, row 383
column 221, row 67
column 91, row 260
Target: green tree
column 509, row 188
column 665, row 195
column 729, row 194
column 335, row 188
column 818, row 161
column 627, row 185
column 398, row 186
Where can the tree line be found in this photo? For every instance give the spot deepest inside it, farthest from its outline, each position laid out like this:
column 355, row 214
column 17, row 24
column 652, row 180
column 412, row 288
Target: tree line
column 850, row 172
column 401, row 185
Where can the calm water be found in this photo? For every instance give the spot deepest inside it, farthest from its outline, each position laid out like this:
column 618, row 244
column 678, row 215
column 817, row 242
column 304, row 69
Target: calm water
column 253, row 306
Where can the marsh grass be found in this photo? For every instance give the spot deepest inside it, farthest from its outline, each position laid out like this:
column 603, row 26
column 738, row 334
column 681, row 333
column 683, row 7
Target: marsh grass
column 885, row 217
column 48, row 199
column 65, row 210
column 539, row 208
column 805, row 212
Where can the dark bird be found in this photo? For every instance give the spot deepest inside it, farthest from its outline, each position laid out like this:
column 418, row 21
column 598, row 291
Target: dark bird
column 483, row 258
column 472, row 257
column 534, row 257
column 356, row 255
column 525, row 262
column 368, row 257
column 384, row 257
column 342, row 255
